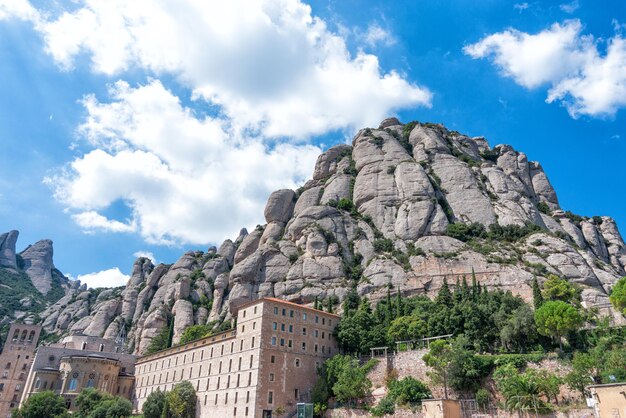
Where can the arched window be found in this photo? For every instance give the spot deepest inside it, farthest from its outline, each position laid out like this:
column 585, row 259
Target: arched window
column 45, row 385
column 73, row 384
column 31, row 336
column 83, row 345
column 16, row 335
column 37, row 383
column 101, row 347
column 23, row 338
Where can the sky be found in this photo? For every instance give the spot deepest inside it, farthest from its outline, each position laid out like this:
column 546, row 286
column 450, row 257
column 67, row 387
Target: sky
column 154, row 127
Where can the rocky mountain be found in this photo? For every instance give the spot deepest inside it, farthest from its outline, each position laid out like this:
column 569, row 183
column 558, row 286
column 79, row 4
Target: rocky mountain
column 29, row 282
column 403, row 207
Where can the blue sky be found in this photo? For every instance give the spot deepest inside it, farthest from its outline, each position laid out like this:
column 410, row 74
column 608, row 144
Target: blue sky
column 158, row 126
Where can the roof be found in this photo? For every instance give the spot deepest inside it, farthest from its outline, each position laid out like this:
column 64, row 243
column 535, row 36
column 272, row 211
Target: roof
column 606, row 385
column 285, row 302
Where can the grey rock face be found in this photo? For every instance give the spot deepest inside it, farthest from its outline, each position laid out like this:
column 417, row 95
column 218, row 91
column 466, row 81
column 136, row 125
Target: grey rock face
column 404, row 187
column 7, row 249
column 280, row 205
column 38, row 264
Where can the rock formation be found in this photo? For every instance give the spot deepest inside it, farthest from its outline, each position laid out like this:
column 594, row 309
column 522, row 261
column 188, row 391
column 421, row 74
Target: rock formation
column 375, row 214
column 7, row 249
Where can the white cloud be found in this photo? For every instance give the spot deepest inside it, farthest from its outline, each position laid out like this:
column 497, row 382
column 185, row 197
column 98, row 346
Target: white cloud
column 269, row 65
column 145, row 254
column 185, row 178
column 106, row 278
column 92, row 221
column 570, row 7
column 20, row 9
column 375, row 35
column 521, row 6
column 583, row 80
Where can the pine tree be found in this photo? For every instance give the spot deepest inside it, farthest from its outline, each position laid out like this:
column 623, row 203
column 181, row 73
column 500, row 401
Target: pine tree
column 465, row 292
column 399, row 305
column 389, row 311
column 475, row 285
column 444, row 297
column 329, row 306
column 457, row 292
column 537, row 296
column 316, row 303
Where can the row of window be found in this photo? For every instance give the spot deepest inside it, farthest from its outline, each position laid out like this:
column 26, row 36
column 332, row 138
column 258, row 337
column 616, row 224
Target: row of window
column 283, row 312
column 212, row 352
column 229, row 381
column 16, row 336
column 275, row 341
column 289, row 329
column 240, row 363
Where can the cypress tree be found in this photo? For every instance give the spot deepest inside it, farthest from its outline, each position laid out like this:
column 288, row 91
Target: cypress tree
column 475, row 285
column 399, row 305
column 537, row 296
column 444, row 296
column 316, row 303
column 329, row 306
column 465, row 289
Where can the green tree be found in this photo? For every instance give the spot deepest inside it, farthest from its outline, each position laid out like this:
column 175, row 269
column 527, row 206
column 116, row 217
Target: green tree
column 618, row 295
column 519, row 330
column 153, row 407
column 194, row 332
column 112, row 408
column 444, row 296
column 45, row 404
column 537, row 296
column 523, row 392
column 557, row 318
column 439, row 359
column 408, row 391
column 88, row 400
column 584, row 372
column 181, row 400
column 352, row 382
column 556, row 288
column 406, row 328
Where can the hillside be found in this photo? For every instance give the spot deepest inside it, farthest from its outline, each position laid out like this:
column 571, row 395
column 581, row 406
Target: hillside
column 404, row 206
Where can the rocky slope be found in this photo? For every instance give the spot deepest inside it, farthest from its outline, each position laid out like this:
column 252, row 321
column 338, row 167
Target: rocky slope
column 29, row 282
column 375, row 214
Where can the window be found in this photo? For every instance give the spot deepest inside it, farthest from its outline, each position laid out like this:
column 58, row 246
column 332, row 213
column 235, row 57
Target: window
column 295, row 392
column 254, row 325
column 271, row 377
column 282, row 342
column 251, row 360
column 297, row 362
column 303, row 346
column 255, row 309
column 37, row 383
column 241, row 346
column 244, row 313
column 216, row 399
column 275, row 326
column 317, row 319
column 317, row 334
column 330, row 323
column 290, row 343
column 282, row 327
column 101, row 347
column 273, row 359
column 323, row 321
column 73, row 384
column 323, row 335
column 290, row 328
column 246, row 411
column 304, row 316
column 252, row 345
column 226, row 396
column 239, row 368
column 247, row 397
column 1, row 387
column 291, row 313
column 303, row 331
column 275, row 311
column 230, row 365
column 270, row 397
column 243, row 328
column 273, row 340
column 284, row 312
column 315, row 348
column 249, row 378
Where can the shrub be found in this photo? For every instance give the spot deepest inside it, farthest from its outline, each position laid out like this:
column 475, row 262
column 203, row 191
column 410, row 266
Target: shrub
column 544, row 208
column 482, row 398
column 465, row 232
column 383, row 245
column 386, row 406
column 408, row 391
column 345, row 204
column 154, row 405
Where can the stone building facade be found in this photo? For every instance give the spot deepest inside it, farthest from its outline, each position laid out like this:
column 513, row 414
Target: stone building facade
column 267, row 364
column 79, row 362
column 15, row 362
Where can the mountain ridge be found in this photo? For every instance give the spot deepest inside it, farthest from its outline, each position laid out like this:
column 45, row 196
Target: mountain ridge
column 404, row 206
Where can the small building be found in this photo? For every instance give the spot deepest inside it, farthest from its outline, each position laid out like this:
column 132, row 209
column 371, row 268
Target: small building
column 266, row 366
column 608, row 400
column 79, row 362
column 15, row 362
column 441, row 408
